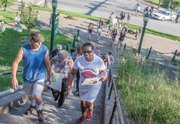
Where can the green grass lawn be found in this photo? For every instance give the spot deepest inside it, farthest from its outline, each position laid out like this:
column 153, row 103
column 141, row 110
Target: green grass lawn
column 157, row 1
column 7, row 16
column 153, row 1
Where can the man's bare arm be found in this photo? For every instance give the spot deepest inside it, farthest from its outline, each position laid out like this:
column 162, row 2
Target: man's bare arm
column 15, row 64
column 48, row 65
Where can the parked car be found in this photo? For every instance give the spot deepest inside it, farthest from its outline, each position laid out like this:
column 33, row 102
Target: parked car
column 164, row 15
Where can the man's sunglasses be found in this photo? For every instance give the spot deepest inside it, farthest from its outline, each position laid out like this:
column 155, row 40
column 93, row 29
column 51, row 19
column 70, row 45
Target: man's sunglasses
column 87, row 52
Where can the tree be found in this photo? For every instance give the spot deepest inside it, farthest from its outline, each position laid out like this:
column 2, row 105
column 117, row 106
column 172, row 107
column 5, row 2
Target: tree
column 28, row 16
column 159, row 3
column 6, row 3
column 45, row 3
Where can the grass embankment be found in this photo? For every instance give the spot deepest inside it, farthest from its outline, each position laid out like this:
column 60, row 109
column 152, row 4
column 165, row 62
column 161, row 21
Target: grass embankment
column 94, row 18
column 153, row 1
column 150, row 97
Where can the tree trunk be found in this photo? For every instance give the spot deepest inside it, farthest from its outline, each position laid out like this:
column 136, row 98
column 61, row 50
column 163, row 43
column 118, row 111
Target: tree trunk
column 159, row 4
column 45, row 3
column 5, row 6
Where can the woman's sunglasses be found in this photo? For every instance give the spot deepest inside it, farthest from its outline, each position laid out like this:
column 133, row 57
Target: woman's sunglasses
column 84, row 52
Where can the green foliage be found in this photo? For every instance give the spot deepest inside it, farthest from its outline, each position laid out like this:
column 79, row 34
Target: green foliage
column 7, row 16
column 175, row 4
column 6, row 3
column 28, row 16
column 150, row 97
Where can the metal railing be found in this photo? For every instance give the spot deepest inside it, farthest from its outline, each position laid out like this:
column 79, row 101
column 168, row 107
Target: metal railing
column 117, row 106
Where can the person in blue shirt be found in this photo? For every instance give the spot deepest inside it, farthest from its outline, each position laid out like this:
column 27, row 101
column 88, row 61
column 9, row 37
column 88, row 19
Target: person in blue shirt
column 36, row 66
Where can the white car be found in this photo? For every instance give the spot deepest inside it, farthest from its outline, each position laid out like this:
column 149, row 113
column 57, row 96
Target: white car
column 164, row 15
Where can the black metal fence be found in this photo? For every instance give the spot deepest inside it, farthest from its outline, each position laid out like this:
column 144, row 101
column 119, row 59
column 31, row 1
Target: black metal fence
column 117, row 106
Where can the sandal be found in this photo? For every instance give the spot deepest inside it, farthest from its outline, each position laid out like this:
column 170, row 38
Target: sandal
column 89, row 115
column 80, row 120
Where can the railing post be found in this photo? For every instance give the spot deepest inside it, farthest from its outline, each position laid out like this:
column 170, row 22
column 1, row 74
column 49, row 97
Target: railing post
column 113, row 111
column 174, row 57
column 78, row 35
column 149, row 53
column 110, row 77
column 74, row 41
column 67, row 48
column 124, row 47
column 112, row 84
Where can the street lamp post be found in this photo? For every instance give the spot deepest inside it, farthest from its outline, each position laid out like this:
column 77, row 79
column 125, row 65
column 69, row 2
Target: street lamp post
column 53, row 16
column 145, row 19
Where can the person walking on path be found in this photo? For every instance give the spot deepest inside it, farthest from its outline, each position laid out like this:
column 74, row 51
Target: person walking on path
column 77, row 53
column 36, row 63
column 17, row 25
column 122, row 36
column 92, row 72
column 61, row 67
column 128, row 18
column 90, row 30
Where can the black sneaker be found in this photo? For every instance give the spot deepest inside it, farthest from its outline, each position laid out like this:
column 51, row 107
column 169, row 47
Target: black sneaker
column 40, row 116
column 30, row 110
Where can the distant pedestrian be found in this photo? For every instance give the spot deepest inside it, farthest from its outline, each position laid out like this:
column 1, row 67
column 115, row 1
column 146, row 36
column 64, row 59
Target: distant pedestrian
column 177, row 17
column 122, row 36
column 137, row 8
column 2, row 26
column 17, row 25
column 37, row 20
column 106, row 59
column 111, row 57
column 97, row 51
column 101, row 23
column 90, row 31
column 99, row 32
column 114, row 34
column 111, row 16
column 136, row 35
column 128, row 18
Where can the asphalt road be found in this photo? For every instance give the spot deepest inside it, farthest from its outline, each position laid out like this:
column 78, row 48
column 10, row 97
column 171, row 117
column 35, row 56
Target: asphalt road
column 103, row 8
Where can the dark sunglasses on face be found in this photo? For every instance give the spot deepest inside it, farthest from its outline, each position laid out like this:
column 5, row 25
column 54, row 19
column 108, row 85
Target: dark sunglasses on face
column 87, row 52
